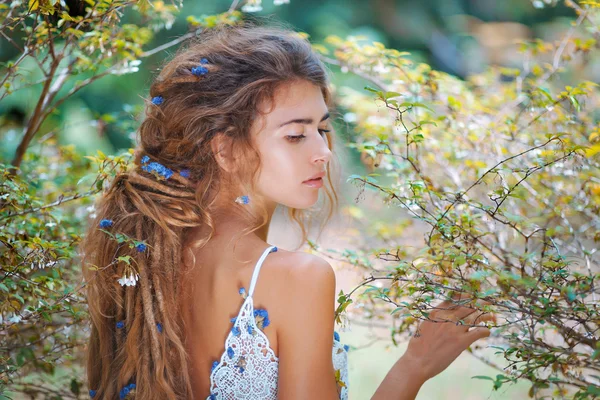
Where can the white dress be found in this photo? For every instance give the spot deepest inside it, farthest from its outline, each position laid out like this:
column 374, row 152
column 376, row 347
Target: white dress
column 248, row 368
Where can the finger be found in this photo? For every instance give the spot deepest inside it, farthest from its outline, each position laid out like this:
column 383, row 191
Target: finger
column 475, row 334
column 478, row 317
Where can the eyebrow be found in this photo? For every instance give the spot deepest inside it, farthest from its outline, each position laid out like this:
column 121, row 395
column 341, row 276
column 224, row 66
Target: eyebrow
column 304, row 120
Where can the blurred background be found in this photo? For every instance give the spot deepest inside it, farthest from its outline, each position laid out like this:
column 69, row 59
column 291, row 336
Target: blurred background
column 460, row 37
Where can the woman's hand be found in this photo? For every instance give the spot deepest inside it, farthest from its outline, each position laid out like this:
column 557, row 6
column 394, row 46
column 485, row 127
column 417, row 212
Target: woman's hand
column 442, row 338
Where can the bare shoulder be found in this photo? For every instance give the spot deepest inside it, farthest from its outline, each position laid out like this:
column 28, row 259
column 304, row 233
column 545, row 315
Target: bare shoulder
column 305, row 266
column 302, row 272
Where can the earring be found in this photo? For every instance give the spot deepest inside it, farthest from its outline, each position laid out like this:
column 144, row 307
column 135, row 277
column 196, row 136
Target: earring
column 242, row 200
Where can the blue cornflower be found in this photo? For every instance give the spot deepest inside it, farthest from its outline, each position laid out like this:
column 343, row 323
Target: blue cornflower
column 199, row 70
column 236, row 331
column 336, row 336
column 120, row 324
column 159, row 327
column 157, row 100
column 230, row 352
column 185, row 173
column 140, row 247
column 242, row 200
column 105, row 223
column 214, row 365
column 124, row 392
column 346, row 347
column 261, row 312
column 158, row 169
column 145, row 159
column 92, row 393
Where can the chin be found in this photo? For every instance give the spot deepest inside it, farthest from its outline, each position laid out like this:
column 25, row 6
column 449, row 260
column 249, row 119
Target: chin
column 304, row 203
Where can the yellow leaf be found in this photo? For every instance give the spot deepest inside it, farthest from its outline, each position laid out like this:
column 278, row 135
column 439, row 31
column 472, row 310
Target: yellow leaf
column 33, row 5
column 592, row 151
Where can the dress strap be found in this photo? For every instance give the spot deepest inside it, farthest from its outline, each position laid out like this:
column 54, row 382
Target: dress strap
column 269, row 249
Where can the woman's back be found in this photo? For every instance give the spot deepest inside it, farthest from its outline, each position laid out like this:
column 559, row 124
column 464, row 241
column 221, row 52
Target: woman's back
column 212, row 301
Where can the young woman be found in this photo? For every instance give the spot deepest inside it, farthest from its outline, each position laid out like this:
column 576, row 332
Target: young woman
column 186, row 297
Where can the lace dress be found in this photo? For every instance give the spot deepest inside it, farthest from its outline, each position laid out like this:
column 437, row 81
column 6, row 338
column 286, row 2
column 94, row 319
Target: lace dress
column 248, row 368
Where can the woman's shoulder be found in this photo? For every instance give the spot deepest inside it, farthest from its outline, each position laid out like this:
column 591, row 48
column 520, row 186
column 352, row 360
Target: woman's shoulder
column 299, row 269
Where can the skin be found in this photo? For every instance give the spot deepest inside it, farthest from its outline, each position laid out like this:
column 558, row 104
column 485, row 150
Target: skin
column 297, row 289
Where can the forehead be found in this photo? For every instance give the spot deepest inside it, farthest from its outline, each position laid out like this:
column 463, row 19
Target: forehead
column 299, row 99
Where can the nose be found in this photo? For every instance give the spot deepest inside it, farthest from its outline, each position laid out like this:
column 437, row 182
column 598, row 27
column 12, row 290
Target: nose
column 323, row 154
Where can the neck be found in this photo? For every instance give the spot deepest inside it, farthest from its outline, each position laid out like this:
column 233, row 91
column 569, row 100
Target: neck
column 229, row 224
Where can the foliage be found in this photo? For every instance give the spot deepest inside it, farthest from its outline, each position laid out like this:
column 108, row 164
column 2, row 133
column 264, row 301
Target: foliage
column 501, row 168
column 501, row 173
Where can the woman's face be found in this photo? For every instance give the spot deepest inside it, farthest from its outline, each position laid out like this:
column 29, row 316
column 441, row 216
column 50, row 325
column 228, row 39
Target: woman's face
column 293, row 146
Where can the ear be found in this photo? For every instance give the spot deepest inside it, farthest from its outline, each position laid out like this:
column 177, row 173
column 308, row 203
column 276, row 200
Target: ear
column 222, row 147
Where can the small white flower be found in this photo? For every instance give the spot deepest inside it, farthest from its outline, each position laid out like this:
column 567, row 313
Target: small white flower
column 15, row 319
column 252, row 6
column 128, row 280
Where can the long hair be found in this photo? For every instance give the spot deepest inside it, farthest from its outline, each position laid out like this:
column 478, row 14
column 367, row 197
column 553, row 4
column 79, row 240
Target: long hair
column 136, row 346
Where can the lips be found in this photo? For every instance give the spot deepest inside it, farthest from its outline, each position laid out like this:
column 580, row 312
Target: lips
column 315, row 178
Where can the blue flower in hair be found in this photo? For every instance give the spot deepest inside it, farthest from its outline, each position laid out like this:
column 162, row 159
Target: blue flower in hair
column 120, row 324
column 140, row 247
column 159, row 327
column 158, row 170
column 199, row 70
column 92, row 393
column 124, row 392
column 157, row 100
column 185, row 173
column 145, row 159
column 105, row 223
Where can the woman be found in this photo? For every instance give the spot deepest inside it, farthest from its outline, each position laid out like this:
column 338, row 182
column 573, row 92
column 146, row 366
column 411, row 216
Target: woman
column 238, row 122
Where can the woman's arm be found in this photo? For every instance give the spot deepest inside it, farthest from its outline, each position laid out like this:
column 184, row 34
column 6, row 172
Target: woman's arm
column 306, row 338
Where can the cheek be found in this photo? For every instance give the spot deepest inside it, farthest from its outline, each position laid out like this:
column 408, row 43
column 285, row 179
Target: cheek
column 281, row 180
column 280, row 167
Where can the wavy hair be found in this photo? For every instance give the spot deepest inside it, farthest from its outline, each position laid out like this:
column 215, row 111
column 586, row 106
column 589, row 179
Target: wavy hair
column 136, row 348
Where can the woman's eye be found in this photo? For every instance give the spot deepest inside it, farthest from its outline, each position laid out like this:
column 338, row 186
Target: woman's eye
column 295, row 138
column 298, row 138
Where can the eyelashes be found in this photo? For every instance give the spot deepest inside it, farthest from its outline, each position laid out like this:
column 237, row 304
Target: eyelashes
column 298, row 138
